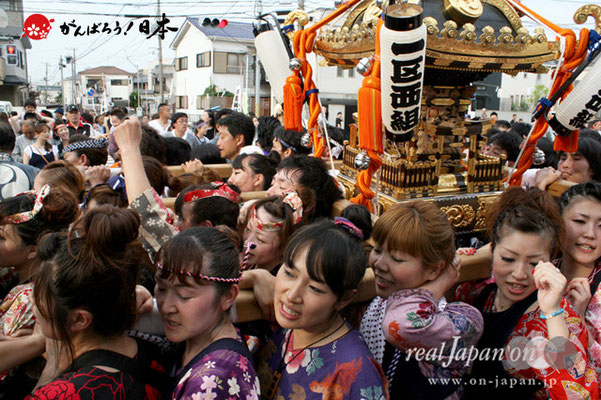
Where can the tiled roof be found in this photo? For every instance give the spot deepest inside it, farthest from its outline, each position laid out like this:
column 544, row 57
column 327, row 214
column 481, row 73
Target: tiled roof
column 104, row 70
column 235, row 30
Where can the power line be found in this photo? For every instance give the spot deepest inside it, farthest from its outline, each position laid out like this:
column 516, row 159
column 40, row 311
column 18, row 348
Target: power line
column 98, row 38
column 243, row 15
column 137, row 5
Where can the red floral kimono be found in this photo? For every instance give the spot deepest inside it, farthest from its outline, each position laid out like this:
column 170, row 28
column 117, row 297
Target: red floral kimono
column 145, row 378
column 577, row 380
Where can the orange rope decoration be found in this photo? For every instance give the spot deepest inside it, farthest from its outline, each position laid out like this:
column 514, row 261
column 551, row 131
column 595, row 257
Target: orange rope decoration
column 303, row 44
column 574, row 55
column 370, row 128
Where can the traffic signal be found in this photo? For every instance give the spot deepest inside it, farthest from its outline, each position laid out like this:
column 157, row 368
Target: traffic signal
column 214, row 22
column 11, row 55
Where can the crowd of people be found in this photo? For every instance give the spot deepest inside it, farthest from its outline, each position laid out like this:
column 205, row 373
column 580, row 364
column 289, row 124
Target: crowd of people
column 107, row 293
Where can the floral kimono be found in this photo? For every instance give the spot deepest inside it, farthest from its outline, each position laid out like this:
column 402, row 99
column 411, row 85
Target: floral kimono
column 16, row 313
column 141, row 377
column 157, row 221
column 16, row 310
column 223, row 373
column 420, row 342
column 342, row 369
column 573, row 377
column 592, row 318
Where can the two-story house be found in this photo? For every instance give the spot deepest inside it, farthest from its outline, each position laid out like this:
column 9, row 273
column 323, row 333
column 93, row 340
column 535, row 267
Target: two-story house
column 13, row 56
column 222, row 59
column 100, row 88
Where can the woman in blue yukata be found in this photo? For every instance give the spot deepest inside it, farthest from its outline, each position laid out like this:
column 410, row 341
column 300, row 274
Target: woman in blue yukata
column 317, row 355
column 197, row 275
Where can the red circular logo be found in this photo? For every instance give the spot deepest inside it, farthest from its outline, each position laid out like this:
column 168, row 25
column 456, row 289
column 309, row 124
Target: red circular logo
column 37, row 27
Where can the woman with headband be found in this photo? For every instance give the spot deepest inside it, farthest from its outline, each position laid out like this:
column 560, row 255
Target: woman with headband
column 194, row 295
column 288, row 143
column 83, row 151
column 25, row 219
column 270, row 223
column 317, row 354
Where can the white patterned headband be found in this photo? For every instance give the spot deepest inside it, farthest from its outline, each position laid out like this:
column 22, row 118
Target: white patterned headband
column 87, row 144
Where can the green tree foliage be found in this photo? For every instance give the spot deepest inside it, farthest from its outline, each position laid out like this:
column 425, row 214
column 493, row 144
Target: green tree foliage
column 134, row 99
column 213, row 90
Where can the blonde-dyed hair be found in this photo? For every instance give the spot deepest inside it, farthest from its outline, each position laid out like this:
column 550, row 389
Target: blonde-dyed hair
column 417, row 228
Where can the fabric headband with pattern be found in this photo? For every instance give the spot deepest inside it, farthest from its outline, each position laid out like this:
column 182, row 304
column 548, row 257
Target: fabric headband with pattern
column 220, row 189
column 86, row 199
column 22, row 217
column 87, row 144
column 287, row 145
column 200, row 275
column 349, row 227
column 292, row 199
column 266, row 226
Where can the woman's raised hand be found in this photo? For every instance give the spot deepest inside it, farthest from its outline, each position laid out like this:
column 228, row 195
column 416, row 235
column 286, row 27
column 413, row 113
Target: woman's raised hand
column 551, row 285
column 446, row 279
column 97, row 174
column 193, row 167
column 579, row 294
column 144, row 300
column 129, row 134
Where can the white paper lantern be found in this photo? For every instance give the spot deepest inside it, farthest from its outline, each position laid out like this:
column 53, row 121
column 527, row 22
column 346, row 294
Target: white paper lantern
column 403, row 58
column 274, row 57
column 583, row 102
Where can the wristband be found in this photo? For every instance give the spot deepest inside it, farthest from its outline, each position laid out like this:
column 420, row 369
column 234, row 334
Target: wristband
column 555, row 314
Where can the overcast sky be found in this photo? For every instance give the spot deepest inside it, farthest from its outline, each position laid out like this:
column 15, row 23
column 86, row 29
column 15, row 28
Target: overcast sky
column 135, row 50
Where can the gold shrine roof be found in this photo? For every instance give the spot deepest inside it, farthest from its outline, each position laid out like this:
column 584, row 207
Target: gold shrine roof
column 479, row 36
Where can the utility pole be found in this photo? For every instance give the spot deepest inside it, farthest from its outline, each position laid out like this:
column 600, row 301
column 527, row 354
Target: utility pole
column 301, row 4
column 148, row 77
column 257, row 86
column 138, row 78
column 46, row 91
column 73, row 77
column 72, row 61
column 160, row 58
column 139, row 95
column 61, row 66
column 258, row 11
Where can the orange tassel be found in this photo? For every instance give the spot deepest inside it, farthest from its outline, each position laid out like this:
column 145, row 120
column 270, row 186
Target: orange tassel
column 293, row 103
column 568, row 143
column 369, row 108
